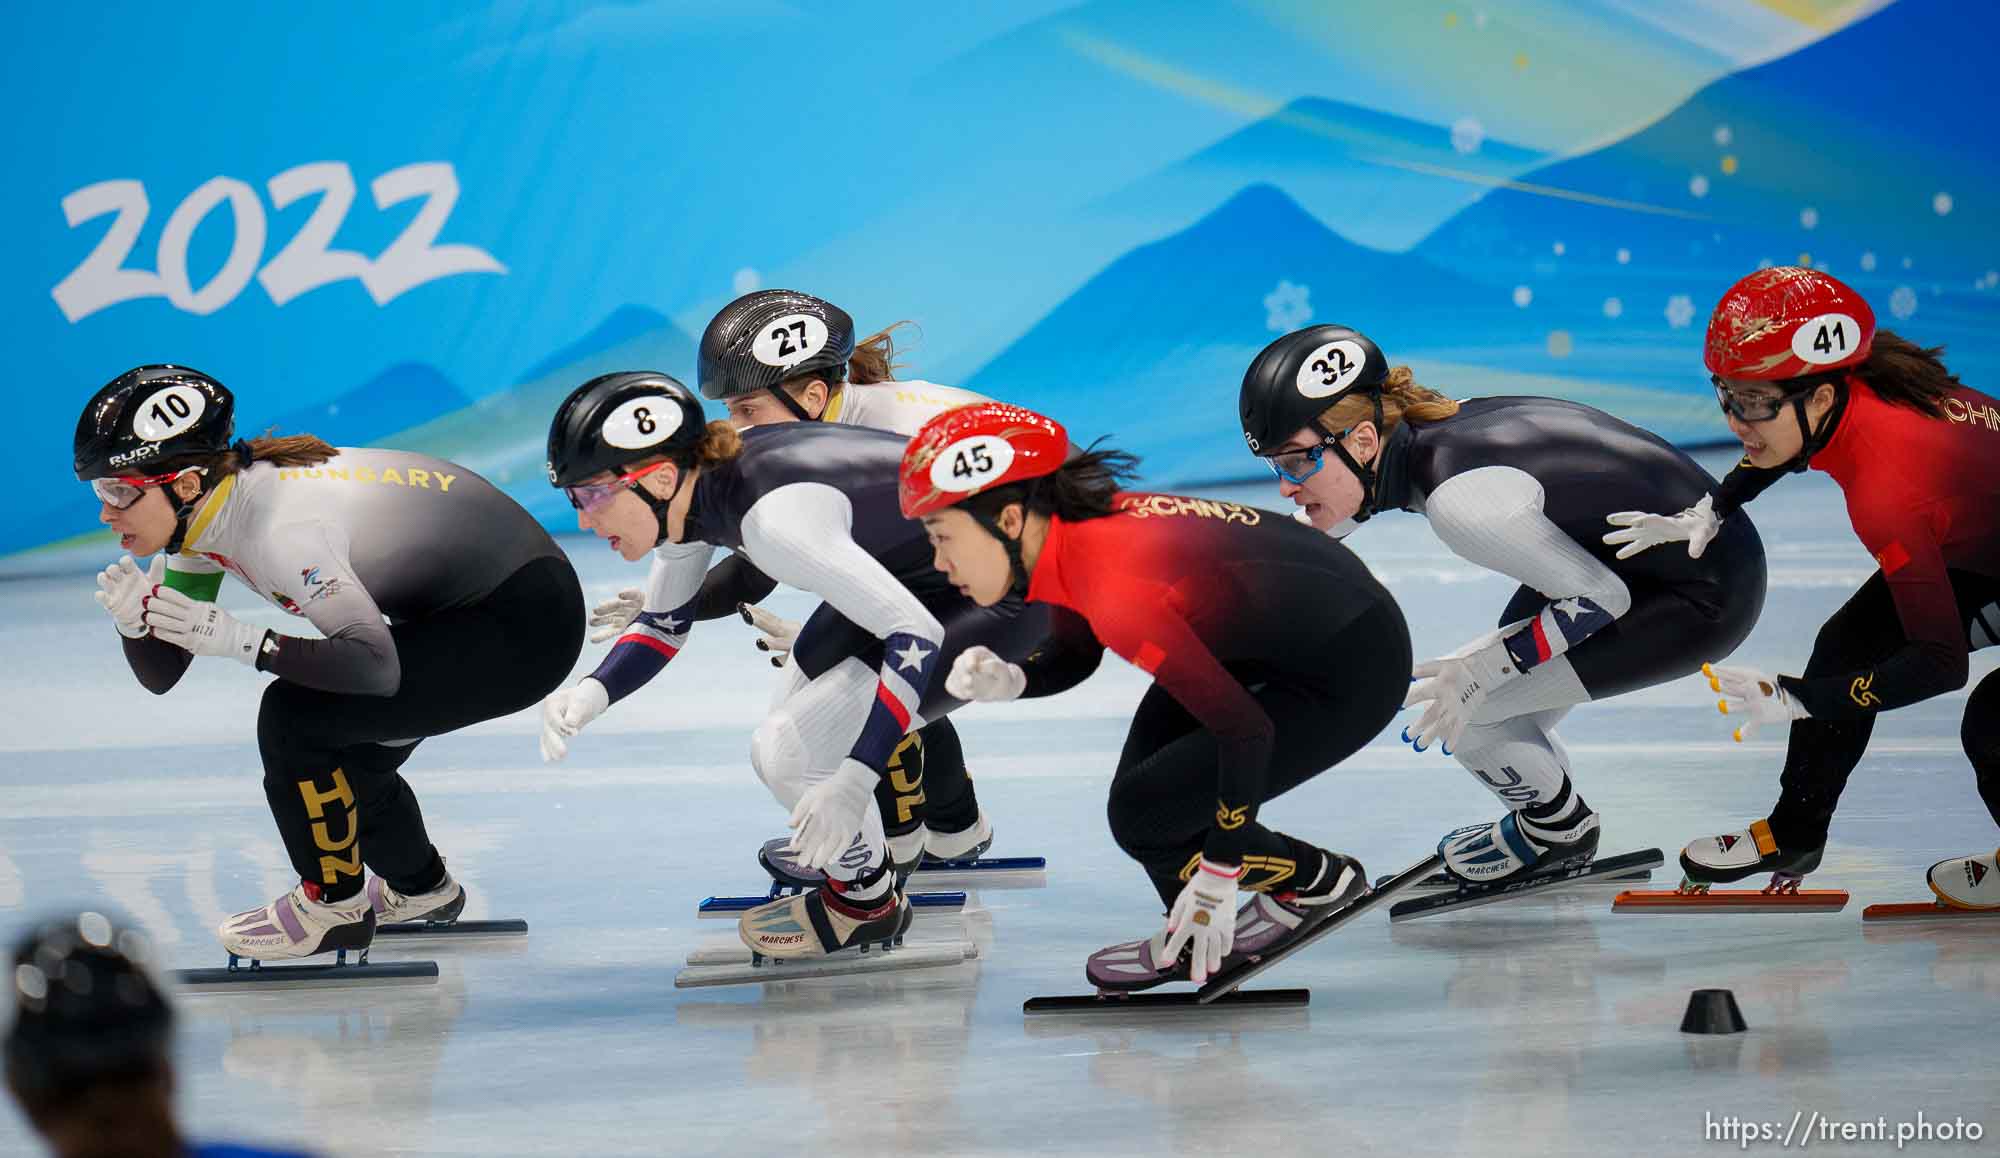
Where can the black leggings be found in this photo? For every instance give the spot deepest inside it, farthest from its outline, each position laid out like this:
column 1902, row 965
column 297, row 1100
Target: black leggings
column 331, row 760
column 1822, row 754
column 1162, row 802
column 1670, row 631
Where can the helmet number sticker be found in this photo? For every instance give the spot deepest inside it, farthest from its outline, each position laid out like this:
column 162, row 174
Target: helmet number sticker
column 168, row 412
column 789, row 340
column 1826, row 339
column 638, row 423
column 971, row 463
column 1331, row 368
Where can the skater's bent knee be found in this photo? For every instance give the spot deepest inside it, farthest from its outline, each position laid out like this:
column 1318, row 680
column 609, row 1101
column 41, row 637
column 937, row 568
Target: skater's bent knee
column 778, row 753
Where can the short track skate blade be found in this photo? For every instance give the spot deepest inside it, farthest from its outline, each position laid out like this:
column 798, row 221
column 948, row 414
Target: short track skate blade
column 984, row 865
column 1471, row 896
column 1220, row 987
column 730, row 906
column 310, row 976
column 1123, row 1002
column 992, row 872
column 509, row 927
column 1441, row 882
column 1924, row 911
column 732, row 951
column 1735, row 900
column 848, row 962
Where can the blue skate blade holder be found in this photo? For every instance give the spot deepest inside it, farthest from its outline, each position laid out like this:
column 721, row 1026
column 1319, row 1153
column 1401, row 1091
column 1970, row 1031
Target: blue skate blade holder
column 988, row 864
column 713, row 906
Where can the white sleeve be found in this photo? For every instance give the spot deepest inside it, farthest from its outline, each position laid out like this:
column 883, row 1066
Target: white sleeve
column 678, row 569
column 801, row 534
column 1493, row 516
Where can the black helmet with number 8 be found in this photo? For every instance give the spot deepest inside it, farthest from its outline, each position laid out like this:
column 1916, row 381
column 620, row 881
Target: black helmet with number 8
column 1298, row 376
column 150, row 415
column 771, row 336
column 617, row 419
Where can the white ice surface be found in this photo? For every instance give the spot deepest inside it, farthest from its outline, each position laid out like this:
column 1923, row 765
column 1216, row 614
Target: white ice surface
column 1531, row 1028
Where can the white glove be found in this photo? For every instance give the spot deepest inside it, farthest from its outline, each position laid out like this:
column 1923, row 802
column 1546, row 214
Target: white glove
column 779, row 633
column 1749, row 692
column 1204, row 917
column 611, row 617
column 980, row 675
column 200, row 627
column 1696, row 526
column 830, row 812
column 122, row 590
column 566, row 711
column 1455, row 686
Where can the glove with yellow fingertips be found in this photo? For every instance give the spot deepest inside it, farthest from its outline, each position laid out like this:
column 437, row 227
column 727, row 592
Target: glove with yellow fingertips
column 1752, row 694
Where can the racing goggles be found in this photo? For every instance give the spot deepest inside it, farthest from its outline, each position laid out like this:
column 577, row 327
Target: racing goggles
column 121, row 491
column 1765, row 407
column 588, row 497
column 1296, row 466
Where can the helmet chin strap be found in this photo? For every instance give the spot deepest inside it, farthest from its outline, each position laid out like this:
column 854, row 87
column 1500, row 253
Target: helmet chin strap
column 662, row 506
column 1811, row 442
column 792, row 404
column 1017, row 570
column 1365, row 475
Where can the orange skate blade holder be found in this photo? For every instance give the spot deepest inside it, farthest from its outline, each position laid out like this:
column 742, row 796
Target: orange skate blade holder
column 1782, row 895
column 1929, row 911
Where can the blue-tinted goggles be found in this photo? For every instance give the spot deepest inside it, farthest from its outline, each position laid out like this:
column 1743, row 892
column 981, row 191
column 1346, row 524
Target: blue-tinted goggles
column 1296, row 466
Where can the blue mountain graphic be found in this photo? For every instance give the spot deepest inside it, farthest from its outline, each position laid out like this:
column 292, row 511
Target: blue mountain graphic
column 398, row 397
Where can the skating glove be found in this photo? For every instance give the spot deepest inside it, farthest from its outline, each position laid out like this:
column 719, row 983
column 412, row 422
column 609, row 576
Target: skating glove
column 1749, row 692
column 1204, row 919
column 830, row 812
column 609, row 619
column 1455, row 687
column 979, row 675
column 200, row 627
column 777, row 634
column 122, row 589
column 566, row 711
column 1694, row 526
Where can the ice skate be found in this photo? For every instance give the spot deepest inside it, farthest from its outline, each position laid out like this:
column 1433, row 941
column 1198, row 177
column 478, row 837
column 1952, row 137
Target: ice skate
column 1965, row 888
column 789, row 877
column 822, row 934
column 299, row 924
column 440, row 905
column 1515, row 846
column 958, row 859
column 948, row 848
column 1732, row 857
column 906, row 851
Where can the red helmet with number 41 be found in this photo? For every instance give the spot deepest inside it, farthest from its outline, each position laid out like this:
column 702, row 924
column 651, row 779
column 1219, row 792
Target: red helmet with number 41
column 969, row 449
column 1785, row 322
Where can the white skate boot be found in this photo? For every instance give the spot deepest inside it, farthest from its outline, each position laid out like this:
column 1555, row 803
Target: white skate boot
column 441, row 905
column 1968, row 882
column 299, row 924
column 966, row 844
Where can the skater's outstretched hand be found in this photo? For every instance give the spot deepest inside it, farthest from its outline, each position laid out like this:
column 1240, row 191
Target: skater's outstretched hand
column 566, row 711
column 980, row 675
column 830, row 812
column 122, row 590
column 1204, row 919
column 1749, row 692
column 777, row 634
column 200, row 627
column 1642, row 529
column 610, row 618
column 1454, row 688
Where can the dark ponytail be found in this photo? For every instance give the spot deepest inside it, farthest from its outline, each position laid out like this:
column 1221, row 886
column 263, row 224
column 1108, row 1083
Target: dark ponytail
column 1082, row 488
column 1901, row 372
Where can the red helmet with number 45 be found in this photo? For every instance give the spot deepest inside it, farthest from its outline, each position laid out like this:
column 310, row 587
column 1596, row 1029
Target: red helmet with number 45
column 1786, row 322
column 969, row 449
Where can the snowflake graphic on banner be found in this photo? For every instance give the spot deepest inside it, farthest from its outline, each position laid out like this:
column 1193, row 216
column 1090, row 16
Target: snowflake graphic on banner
column 1287, row 307
column 1680, row 311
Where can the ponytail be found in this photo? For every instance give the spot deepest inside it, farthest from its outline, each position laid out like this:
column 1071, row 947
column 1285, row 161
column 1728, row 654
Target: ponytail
column 1402, row 398
column 1903, row 373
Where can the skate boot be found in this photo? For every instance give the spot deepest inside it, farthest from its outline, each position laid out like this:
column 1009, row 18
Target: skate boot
column 1271, row 921
column 299, row 924
column 1968, row 882
column 968, row 843
column 1513, row 846
column 906, row 851
column 439, row 906
column 822, row 922
column 1719, row 860
column 1135, row 965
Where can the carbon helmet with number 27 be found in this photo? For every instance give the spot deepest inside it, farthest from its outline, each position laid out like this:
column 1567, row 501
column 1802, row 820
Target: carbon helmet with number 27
column 771, row 336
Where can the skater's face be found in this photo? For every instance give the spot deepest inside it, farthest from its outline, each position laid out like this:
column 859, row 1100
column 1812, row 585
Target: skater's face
column 1770, row 435
column 607, row 506
column 146, row 523
column 759, row 408
column 1329, row 494
column 972, row 559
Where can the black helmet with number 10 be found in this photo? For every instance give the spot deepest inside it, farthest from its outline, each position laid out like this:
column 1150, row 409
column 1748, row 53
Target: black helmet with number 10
column 765, row 338
column 150, row 415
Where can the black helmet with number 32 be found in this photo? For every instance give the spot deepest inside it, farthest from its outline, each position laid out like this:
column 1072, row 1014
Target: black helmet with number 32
column 151, row 415
column 771, row 336
column 1296, row 378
